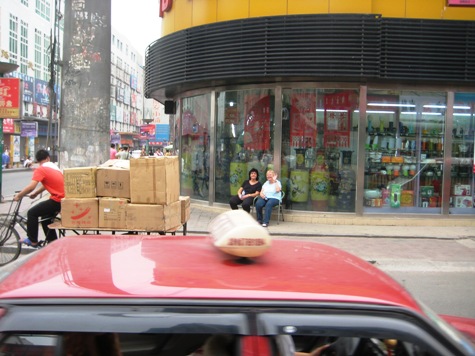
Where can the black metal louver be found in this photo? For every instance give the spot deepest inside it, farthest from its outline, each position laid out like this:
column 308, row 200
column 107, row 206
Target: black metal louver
column 311, row 47
column 430, row 50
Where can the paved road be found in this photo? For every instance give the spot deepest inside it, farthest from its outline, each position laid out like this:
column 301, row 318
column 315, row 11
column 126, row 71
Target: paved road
column 436, row 264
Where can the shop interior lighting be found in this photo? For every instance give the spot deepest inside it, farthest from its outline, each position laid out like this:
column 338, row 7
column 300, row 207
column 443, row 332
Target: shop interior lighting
column 423, row 113
column 393, row 105
column 377, row 112
column 322, row 110
column 461, row 107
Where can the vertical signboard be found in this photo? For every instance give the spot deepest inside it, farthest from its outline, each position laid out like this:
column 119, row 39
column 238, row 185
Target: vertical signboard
column 10, row 98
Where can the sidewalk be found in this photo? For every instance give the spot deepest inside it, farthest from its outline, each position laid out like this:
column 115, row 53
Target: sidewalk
column 201, row 216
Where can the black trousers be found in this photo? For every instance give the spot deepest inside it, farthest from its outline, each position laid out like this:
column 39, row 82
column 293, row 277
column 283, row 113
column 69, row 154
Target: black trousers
column 47, row 210
column 246, row 203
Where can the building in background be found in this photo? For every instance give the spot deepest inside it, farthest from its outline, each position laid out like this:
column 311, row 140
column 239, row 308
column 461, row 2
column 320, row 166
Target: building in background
column 31, row 36
column 26, row 39
column 364, row 108
column 126, row 92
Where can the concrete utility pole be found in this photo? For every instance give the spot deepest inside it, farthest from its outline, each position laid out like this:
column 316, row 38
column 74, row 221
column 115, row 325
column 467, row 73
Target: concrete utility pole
column 85, row 110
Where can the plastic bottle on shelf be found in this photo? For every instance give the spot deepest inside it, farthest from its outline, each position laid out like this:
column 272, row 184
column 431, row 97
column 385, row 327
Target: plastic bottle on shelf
column 375, row 142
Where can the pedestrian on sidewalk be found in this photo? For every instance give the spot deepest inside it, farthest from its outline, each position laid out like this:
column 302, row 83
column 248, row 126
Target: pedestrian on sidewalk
column 113, row 152
column 6, row 159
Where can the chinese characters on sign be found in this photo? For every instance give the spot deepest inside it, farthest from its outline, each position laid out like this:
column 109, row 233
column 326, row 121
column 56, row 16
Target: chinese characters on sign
column 10, row 98
column 303, row 126
column 338, row 108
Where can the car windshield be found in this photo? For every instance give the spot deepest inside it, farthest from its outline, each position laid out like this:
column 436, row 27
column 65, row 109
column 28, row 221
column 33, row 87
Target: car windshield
column 153, row 330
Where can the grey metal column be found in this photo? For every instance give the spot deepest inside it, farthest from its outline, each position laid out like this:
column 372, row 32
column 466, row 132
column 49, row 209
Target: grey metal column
column 278, row 131
column 361, row 155
column 212, row 150
column 85, row 110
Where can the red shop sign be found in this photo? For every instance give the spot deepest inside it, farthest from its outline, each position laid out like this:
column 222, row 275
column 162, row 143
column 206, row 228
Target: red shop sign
column 10, row 98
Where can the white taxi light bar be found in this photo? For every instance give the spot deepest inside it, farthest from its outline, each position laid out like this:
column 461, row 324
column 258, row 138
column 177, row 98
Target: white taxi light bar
column 237, row 233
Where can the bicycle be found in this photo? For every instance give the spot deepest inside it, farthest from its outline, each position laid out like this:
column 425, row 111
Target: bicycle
column 10, row 243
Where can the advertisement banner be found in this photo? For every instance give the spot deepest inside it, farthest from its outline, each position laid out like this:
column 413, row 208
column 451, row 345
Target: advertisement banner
column 15, row 148
column 41, row 92
column 8, row 126
column 257, row 124
column 303, row 125
column 28, row 85
column 162, row 132
column 10, row 98
column 337, row 118
column 29, row 129
column 148, row 131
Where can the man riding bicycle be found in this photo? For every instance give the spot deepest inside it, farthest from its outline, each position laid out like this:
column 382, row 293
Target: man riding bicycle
column 51, row 179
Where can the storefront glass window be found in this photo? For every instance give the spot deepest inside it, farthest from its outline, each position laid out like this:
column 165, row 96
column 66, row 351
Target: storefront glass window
column 463, row 153
column 319, row 149
column 195, row 123
column 404, row 152
column 244, row 131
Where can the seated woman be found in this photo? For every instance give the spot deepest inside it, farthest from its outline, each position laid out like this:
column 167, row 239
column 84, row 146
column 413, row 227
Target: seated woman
column 270, row 196
column 28, row 162
column 247, row 192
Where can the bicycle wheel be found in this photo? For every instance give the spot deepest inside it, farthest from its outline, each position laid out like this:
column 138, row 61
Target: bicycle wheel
column 10, row 245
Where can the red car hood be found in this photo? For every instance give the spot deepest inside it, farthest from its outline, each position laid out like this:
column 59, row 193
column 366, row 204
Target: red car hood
column 192, row 268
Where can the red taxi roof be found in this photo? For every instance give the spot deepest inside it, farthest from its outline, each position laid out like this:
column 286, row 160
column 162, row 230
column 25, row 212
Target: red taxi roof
column 140, row 266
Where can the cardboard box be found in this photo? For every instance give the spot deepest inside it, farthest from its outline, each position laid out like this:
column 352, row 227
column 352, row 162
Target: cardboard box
column 113, row 179
column 463, row 202
column 112, row 212
column 80, row 212
column 153, row 217
column 154, row 180
column 185, row 208
column 461, row 189
column 80, row 182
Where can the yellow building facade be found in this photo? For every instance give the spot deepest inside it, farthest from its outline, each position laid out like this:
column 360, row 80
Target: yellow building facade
column 184, row 14
column 361, row 107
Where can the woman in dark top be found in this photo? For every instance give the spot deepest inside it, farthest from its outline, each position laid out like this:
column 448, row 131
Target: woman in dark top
column 248, row 191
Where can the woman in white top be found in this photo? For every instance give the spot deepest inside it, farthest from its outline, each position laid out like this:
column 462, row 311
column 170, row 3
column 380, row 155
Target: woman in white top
column 269, row 197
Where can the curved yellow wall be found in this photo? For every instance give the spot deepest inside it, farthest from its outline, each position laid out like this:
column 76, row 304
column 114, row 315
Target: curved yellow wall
column 189, row 13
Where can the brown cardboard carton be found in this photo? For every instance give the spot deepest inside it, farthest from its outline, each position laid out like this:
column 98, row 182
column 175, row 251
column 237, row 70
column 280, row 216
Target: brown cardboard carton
column 185, row 208
column 80, row 212
column 113, row 179
column 153, row 217
column 154, row 180
column 112, row 212
column 80, row 182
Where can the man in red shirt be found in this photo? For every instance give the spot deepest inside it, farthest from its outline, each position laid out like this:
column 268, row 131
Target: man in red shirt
column 51, row 179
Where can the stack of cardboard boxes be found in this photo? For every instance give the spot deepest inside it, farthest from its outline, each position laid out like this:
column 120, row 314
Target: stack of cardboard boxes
column 141, row 194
